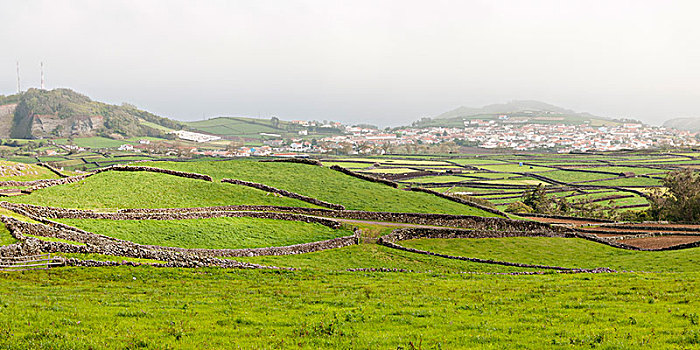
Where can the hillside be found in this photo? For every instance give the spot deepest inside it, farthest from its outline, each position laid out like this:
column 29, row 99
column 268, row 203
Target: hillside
column 689, row 124
column 517, row 111
column 251, row 128
column 63, row 113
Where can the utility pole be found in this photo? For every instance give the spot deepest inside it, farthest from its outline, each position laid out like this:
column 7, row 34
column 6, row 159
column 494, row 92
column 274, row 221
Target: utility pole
column 19, row 87
column 42, row 75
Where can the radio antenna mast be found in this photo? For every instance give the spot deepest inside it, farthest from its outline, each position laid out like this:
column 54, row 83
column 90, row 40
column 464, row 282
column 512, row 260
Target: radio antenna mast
column 42, row 75
column 19, row 87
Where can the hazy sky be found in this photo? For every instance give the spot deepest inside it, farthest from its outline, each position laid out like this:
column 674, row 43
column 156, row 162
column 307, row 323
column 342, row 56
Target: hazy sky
column 384, row 62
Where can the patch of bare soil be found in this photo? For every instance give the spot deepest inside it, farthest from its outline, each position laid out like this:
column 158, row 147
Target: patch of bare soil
column 660, row 241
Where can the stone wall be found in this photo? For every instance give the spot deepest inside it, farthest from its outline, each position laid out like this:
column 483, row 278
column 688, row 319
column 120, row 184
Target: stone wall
column 294, row 160
column 418, row 233
column 53, row 169
column 42, row 214
column 99, row 244
column 459, row 200
column 364, row 177
column 465, row 221
column 415, row 233
column 302, row 248
column 155, row 170
column 38, row 184
column 285, row 193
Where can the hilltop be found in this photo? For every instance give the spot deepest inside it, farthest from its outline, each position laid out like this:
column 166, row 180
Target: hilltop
column 518, row 111
column 688, row 124
column 60, row 113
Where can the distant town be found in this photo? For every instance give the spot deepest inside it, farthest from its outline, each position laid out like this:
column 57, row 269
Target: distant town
column 498, row 133
column 487, row 134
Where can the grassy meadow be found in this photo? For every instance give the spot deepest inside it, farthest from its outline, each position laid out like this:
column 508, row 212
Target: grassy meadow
column 215, row 233
column 117, row 190
column 146, row 307
column 326, row 184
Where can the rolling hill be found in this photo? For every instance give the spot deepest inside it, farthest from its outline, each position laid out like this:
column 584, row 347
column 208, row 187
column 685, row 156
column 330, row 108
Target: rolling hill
column 689, row 124
column 517, row 111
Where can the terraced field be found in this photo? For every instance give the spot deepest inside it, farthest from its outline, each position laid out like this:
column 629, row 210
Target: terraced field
column 408, row 281
column 327, row 185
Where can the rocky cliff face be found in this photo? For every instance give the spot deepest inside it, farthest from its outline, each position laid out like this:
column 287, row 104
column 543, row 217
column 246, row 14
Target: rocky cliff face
column 48, row 125
column 7, row 113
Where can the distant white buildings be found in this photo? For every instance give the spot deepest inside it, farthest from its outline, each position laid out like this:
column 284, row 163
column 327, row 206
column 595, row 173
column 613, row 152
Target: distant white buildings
column 194, row 136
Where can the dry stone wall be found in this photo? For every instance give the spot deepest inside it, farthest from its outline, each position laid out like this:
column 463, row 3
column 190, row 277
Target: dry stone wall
column 53, row 169
column 99, row 244
column 464, row 221
column 293, row 160
column 42, row 213
column 364, row 177
column 459, row 200
column 156, row 170
column 285, row 193
column 415, row 233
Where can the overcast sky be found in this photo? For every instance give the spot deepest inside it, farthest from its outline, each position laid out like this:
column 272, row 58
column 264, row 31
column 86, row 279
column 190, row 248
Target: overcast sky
column 383, row 62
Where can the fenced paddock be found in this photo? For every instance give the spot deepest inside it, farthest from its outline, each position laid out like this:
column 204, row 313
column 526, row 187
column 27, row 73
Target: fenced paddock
column 29, row 262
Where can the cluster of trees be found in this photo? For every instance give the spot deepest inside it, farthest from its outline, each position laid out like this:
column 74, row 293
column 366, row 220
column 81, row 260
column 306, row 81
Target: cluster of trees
column 536, row 200
column 678, row 200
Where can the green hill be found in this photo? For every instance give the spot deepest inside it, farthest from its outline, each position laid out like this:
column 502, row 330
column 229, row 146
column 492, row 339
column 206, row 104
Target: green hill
column 688, row 124
column 517, row 111
column 325, row 184
column 251, row 128
column 59, row 113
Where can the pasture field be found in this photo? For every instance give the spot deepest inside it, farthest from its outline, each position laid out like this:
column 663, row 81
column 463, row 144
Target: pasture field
column 145, row 307
column 116, row 190
column 634, row 181
column 574, row 176
column 5, row 236
column 505, row 170
column 564, row 252
column 326, row 184
column 13, row 171
column 215, row 233
column 359, row 296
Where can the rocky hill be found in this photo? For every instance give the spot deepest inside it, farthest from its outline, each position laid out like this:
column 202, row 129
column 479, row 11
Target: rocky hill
column 64, row 113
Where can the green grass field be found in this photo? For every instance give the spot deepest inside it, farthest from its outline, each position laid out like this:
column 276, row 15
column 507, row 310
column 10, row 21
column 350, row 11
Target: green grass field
column 442, row 304
column 565, row 252
column 326, row 184
column 12, row 171
column 94, row 142
column 573, row 176
column 212, row 308
column 5, row 236
column 114, row 190
column 215, row 233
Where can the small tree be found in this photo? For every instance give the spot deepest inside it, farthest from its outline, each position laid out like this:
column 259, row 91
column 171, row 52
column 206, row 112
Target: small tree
column 537, row 199
column 681, row 199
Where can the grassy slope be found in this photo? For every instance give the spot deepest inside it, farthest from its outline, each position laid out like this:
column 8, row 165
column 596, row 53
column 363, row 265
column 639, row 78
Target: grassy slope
column 148, row 190
column 213, row 308
column 211, row 233
column 31, row 172
column 565, row 252
column 374, row 256
column 327, row 185
column 5, row 236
